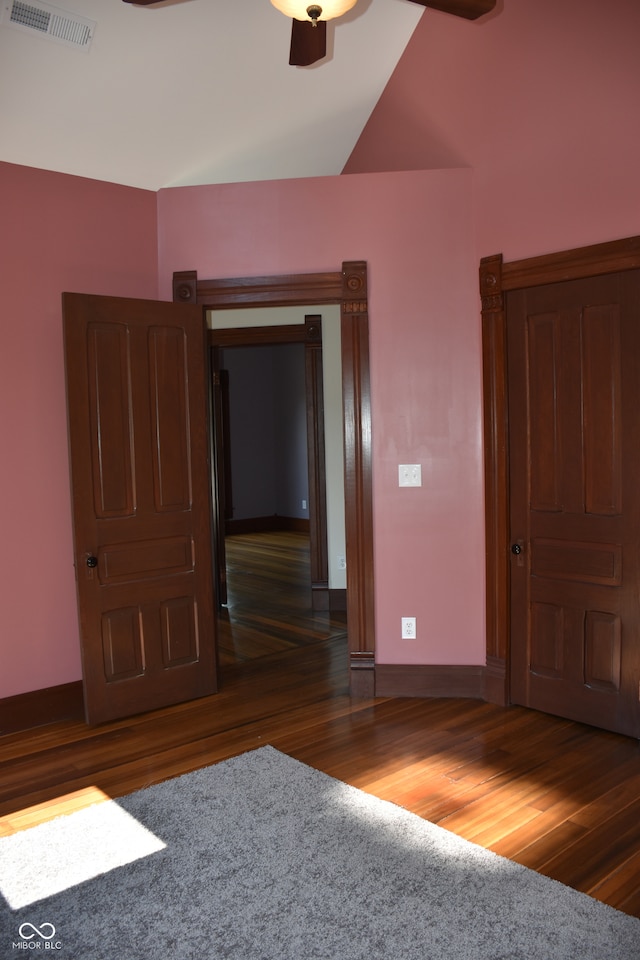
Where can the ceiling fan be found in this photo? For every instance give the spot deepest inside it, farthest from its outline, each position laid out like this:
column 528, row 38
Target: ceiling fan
column 309, row 21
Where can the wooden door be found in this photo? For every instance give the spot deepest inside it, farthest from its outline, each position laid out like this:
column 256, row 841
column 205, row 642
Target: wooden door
column 140, row 473
column 574, row 454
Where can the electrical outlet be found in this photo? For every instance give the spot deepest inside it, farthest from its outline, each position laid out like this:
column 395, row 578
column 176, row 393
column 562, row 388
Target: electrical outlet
column 408, row 628
column 409, row 475
column 304, row 504
column 342, row 563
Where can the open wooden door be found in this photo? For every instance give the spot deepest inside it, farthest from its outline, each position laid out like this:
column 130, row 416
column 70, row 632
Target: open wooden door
column 139, row 446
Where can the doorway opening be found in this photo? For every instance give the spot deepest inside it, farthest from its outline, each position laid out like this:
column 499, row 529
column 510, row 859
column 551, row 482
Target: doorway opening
column 271, row 458
column 348, row 289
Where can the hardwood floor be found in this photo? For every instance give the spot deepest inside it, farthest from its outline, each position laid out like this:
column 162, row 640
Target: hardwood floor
column 560, row 797
column 268, row 608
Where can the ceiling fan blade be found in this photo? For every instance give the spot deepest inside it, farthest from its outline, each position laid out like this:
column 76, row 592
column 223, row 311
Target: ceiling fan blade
column 308, row 43
column 469, row 9
column 141, row 3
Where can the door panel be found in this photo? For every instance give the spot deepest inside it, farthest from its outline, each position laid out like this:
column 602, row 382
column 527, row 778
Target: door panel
column 574, row 397
column 109, row 400
column 169, row 389
column 138, row 433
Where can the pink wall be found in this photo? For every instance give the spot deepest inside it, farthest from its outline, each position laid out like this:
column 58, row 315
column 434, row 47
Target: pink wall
column 538, row 103
column 415, row 232
column 541, row 100
column 58, row 233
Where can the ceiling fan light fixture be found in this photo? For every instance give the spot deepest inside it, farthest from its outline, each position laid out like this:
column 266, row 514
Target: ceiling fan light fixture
column 302, row 10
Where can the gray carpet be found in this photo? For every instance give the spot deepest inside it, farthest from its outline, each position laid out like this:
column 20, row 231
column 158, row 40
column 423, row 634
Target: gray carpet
column 263, row 858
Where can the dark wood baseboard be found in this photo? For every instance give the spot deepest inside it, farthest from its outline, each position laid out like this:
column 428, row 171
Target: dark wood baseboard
column 65, row 702
column 322, row 598
column 416, row 680
column 39, row 707
column 320, row 595
column 266, row 524
column 495, row 682
column 338, row 601
column 362, row 674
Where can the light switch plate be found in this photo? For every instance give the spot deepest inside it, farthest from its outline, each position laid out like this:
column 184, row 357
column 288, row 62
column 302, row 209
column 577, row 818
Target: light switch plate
column 409, row 475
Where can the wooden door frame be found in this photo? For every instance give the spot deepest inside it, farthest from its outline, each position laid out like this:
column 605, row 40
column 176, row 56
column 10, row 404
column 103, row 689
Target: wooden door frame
column 496, row 279
column 348, row 289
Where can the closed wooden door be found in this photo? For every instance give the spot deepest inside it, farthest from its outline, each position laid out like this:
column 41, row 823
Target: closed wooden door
column 574, row 453
column 141, row 484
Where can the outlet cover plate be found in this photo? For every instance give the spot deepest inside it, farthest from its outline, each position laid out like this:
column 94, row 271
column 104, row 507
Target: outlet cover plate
column 408, row 628
column 409, row 475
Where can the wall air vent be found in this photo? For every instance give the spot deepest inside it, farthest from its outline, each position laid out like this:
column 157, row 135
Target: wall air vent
column 50, row 22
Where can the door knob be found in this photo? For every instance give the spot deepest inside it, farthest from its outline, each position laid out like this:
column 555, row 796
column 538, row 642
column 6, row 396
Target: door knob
column 92, row 561
column 516, row 548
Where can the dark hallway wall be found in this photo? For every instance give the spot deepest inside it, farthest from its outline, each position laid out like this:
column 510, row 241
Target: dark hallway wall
column 267, row 413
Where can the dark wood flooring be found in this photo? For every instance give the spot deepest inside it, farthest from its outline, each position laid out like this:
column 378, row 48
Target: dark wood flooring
column 268, row 609
column 560, row 797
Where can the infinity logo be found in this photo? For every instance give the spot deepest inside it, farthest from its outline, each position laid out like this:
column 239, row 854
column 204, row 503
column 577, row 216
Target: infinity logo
column 40, row 932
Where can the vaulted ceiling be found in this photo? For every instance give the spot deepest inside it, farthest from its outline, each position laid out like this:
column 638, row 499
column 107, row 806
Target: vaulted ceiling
column 194, row 91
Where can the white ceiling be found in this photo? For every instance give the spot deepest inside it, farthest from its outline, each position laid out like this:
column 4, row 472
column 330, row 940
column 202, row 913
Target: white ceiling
column 195, row 91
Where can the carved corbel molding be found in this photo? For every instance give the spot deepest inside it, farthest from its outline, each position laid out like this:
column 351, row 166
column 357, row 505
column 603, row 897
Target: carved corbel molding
column 354, row 287
column 491, row 292
column 185, row 287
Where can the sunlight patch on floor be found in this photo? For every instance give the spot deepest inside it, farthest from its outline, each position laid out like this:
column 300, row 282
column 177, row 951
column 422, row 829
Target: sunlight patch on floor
column 60, row 806
column 62, row 853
